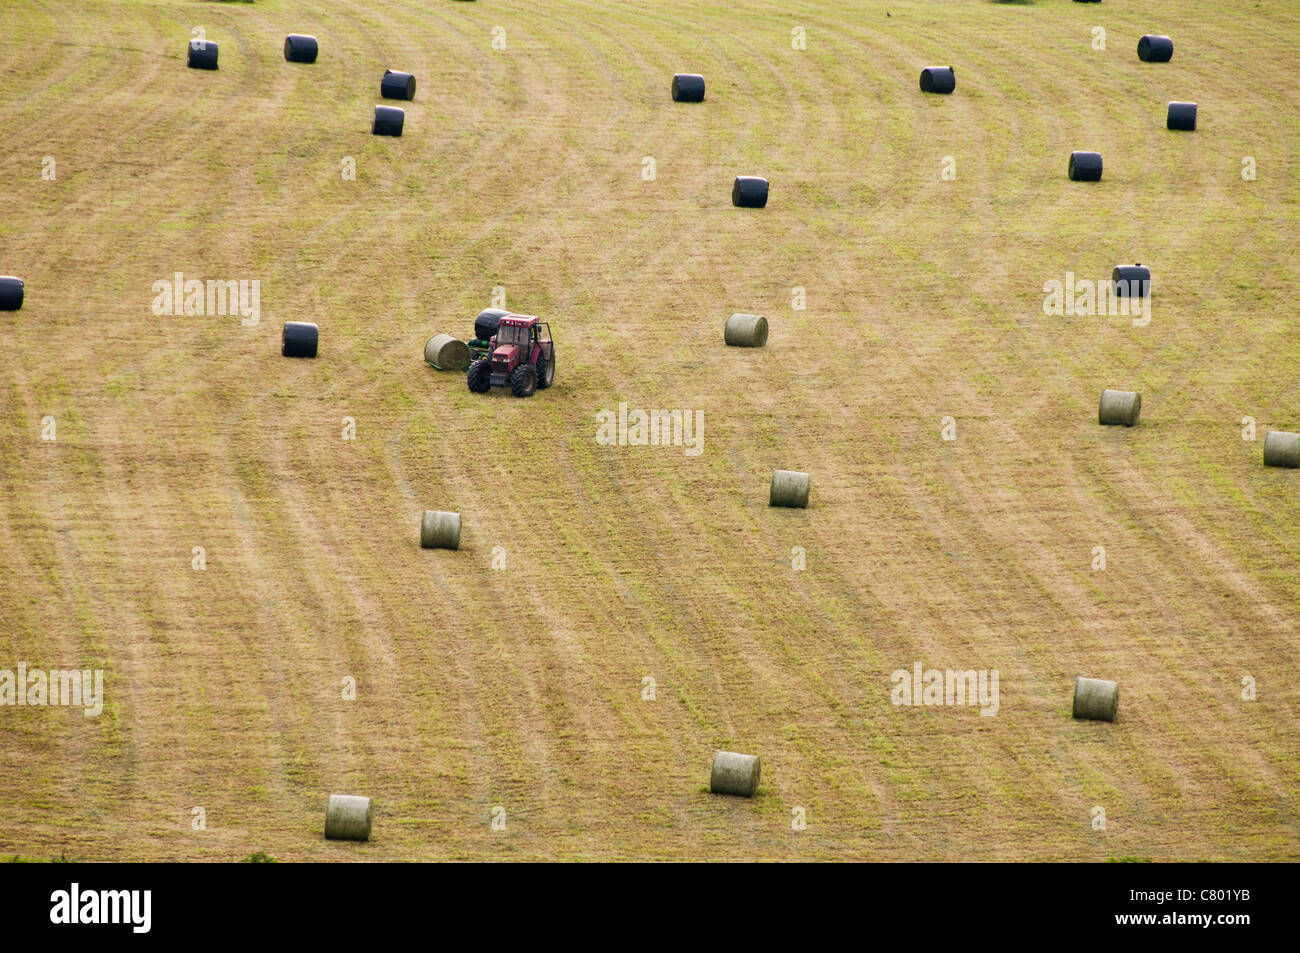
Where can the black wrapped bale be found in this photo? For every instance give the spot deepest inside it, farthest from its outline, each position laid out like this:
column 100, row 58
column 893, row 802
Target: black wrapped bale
column 485, row 325
column 1155, row 49
column 1131, row 281
column 1085, row 167
column 11, row 294
column 688, row 88
column 1182, row 117
column 397, row 85
column 299, row 339
column 299, row 48
column 202, row 55
column 749, row 191
column 938, row 79
column 388, row 121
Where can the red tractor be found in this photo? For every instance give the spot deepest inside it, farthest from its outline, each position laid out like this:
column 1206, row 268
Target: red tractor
column 520, row 354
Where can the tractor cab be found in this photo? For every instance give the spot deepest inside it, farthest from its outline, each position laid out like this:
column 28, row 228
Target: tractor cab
column 516, row 330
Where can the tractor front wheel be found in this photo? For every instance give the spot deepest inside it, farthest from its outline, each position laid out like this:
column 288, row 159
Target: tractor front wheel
column 523, row 380
column 479, row 376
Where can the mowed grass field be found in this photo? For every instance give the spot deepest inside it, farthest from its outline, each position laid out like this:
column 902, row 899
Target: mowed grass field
column 521, row 688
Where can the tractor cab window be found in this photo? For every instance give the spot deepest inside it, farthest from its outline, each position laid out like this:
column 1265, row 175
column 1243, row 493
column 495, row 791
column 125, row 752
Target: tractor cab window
column 512, row 334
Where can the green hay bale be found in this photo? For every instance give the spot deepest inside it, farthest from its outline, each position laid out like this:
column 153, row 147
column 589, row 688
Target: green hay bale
column 446, row 353
column 1119, row 407
column 1281, row 449
column 439, row 530
column 1095, row 699
column 745, row 330
column 347, row 817
column 789, row 488
column 734, row 774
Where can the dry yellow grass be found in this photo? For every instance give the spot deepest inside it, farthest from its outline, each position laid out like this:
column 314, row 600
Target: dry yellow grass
column 522, row 688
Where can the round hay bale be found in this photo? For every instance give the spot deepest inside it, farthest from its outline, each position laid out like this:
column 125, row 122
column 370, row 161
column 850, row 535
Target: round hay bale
column 938, row 79
column 1154, row 48
column 202, row 55
column 299, row 339
column 1282, row 449
column 388, row 121
column 1131, row 281
column 746, row 330
column 299, row 48
column 1085, row 167
column 485, row 325
column 1181, row 117
column 439, row 530
column 688, row 88
column 734, row 774
column 397, row 85
column 1121, row 407
column 446, row 353
column 749, row 191
column 11, row 293
column 1095, row 698
column 347, row 817
column 789, row 488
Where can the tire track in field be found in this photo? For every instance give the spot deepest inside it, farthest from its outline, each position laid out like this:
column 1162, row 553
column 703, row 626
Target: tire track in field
column 668, row 252
column 476, row 679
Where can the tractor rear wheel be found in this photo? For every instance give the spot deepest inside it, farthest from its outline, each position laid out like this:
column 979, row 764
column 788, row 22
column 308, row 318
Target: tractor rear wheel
column 479, row 376
column 523, row 380
column 545, row 372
